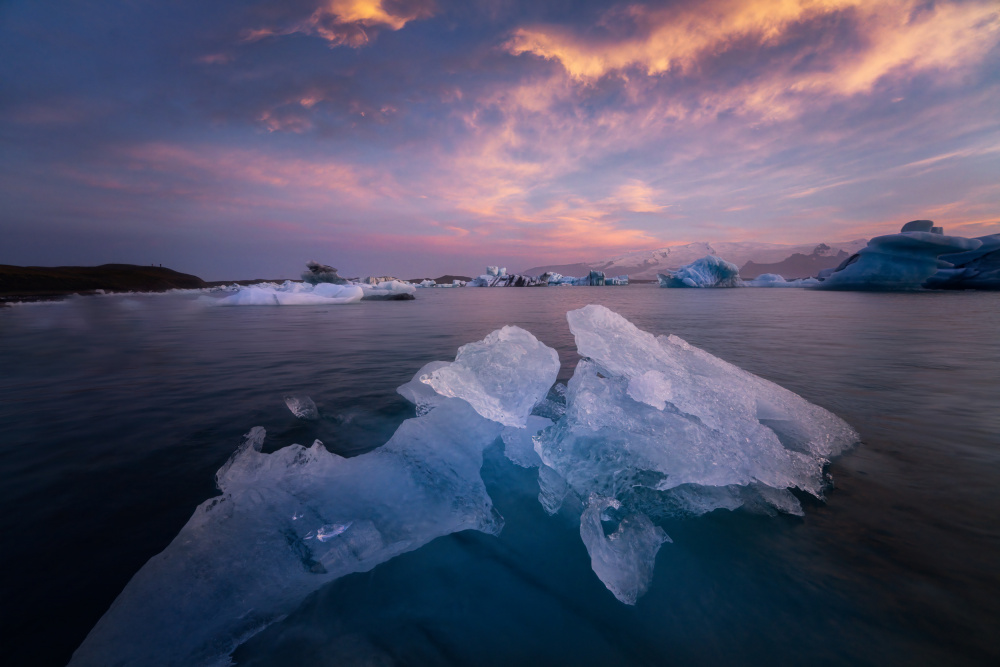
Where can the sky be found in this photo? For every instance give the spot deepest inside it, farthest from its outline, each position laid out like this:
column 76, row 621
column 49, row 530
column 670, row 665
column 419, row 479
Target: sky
column 238, row 139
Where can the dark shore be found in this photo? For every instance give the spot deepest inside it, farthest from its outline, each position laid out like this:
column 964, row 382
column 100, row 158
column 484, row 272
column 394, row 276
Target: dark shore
column 47, row 283
column 41, row 283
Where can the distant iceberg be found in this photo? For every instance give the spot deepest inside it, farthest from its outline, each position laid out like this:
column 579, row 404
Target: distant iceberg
column 388, row 290
column 774, row 280
column 709, row 271
column 974, row 269
column 498, row 277
column 291, row 294
column 903, row 261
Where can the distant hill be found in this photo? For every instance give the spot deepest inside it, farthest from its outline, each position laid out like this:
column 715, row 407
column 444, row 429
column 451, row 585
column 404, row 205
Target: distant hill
column 798, row 265
column 52, row 281
column 645, row 264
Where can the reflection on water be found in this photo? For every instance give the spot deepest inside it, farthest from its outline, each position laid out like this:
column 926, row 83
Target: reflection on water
column 117, row 411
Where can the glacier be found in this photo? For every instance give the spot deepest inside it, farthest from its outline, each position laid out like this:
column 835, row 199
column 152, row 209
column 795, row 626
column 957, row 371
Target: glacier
column 709, row 271
column 293, row 520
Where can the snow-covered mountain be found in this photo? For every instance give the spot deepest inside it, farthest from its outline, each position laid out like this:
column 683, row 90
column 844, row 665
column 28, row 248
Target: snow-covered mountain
column 645, row 264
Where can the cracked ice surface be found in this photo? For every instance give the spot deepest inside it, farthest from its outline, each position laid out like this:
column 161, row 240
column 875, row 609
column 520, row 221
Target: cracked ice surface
column 293, row 520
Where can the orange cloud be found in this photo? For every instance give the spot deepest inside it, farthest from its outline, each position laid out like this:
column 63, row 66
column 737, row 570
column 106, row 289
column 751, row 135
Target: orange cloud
column 895, row 35
column 352, row 22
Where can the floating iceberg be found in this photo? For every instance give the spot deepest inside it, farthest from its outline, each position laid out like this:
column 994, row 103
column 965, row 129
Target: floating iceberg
column 389, row 290
column 974, row 269
column 291, row 294
column 774, row 280
column 503, row 279
column 709, row 271
column 664, row 428
column 293, row 520
column 903, row 261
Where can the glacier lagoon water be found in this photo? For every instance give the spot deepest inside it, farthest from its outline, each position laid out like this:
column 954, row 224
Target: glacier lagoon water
column 116, row 412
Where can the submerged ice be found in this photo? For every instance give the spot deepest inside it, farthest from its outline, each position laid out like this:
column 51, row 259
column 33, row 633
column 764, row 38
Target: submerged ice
column 648, row 427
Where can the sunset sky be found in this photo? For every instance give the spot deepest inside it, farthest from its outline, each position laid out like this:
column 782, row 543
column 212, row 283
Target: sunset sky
column 239, row 139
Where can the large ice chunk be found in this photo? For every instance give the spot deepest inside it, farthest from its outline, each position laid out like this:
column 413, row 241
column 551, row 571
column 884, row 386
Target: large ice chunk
column 624, row 559
column 663, row 429
column 502, row 377
column 665, row 407
column 290, row 521
column 709, row 271
column 901, row 261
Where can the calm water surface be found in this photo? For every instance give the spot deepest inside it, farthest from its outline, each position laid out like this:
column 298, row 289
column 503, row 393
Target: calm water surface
column 115, row 413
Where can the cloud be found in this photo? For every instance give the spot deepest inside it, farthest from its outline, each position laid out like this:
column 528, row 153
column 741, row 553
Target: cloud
column 352, row 22
column 882, row 39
